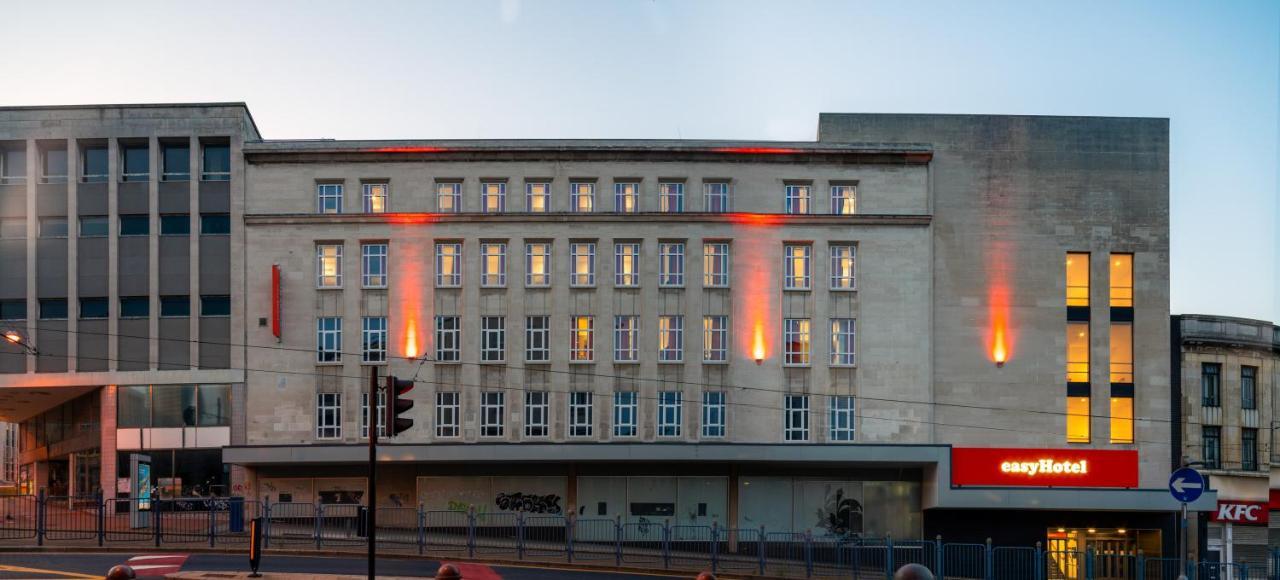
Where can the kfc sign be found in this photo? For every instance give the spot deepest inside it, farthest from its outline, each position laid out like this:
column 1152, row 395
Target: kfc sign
column 1044, row 467
column 1241, row 512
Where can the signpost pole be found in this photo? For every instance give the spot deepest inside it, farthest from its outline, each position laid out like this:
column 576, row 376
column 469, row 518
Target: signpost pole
column 1185, row 485
column 371, row 520
column 1182, row 542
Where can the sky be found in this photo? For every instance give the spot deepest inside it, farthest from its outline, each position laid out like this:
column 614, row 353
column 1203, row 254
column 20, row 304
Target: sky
column 715, row 70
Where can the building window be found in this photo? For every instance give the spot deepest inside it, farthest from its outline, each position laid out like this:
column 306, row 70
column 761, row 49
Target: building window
column 53, row 167
column 670, row 338
column 1211, row 446
column 94, row 226
column 448, row 339
column 715, row 196
column 1078, row 419
column 14, row 310
column 216, row 163
column 715, row 265
column 584, row 264
column 583, row 197
column 582, row 339
column 537, row 338
column 713, row 414
column 796, row 418
column 373, row 265
column 671, row 264
column 842, row 262
column 329, row 415
column 373, row 339
column 177, row 162
column 536, row 416
column 1248, row 449
column 1121, row 419
column 842, row 344
column 1122, row 352
column 626, row 271
column 843, row 199
column 797, row 199
column 328, row 198
column 135, row 225
column 795, row 338
column 94, row 308
column 215, row 224
column 493, row 338
column 135, row 307
column 580, row 414
column 537, row 197
column 669, row 413
column 448, row 416
column 175, row 224
column 671, row 197
column 380, row 412
column 93, row 164
column 537, row 265
column 215, row 305
column 1248, row 387
column 53, row 309
column 13, row 228
column 492, row 409
column 448, row 265
column 53, row 227
column 375, row 197
column 840, row 417
column 175, row 306
column 1077, row 352
column 1077, row 279
column 796, row 266
column 1122, row 280
column 13, row 164
column 624, row 414
column 493, row 196
column 715, row 339
column 329, row 265
column 626, row 197
column 329, row 339
column 1210, row 385
column 448, row 197
column 625, row 335
column 495, row 265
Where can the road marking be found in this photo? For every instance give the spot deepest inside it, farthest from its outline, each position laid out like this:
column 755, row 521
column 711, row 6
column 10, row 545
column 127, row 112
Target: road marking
column 157, row 564
column 64, row 573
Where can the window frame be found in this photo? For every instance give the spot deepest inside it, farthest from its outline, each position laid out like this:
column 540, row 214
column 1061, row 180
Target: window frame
column 626, row 347
column 329, row 196
column 493, row 339
column 540, row 410
column 451, row 190
column 335, row 275
column 581, row 401
column 493, row 408
column 578, row 352
column 530, row 339
column 621, row 196
column 490, row 279
column 796, row 420
column 453, row 277
column 444, row 353
column 710, row 332
column 373, row 339
column 711, row 278
column 671, row 264
column 844, row 358
column 1248, row 449
column 839, row 281
column 579, row 191
column 670, row 414
column 448, row 414
column 670, row 332
column 626, row 264
column 493, row 190
column 380, row 412
column 1210, row 384
column 803, row 329
column 1212, row 456
column 714, row 420
column 371, row 254
column 328, row 340
column 626, row 413
column 841, row 418
column 852, row 198
column 794, row 202
column 671, row 197
column 369, row 195
column 708, row 194
column 1248, row 387
column 328, row 416
column 530, row 194
column 574, row 254
column 790, row 281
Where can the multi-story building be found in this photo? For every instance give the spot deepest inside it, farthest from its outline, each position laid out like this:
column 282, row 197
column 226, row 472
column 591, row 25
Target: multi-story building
column 1226, row 371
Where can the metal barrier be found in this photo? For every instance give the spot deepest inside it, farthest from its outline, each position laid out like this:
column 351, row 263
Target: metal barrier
column 642, row 542
column 741, row 550
column 398, row 526
column 18, row 517
column 341, row 524
column 291, row 523
column 964, row 561
column 447, row 532
column 130, row 520
column 495, row 533
column 544, row 535
column 71, row 518
column 594, row 539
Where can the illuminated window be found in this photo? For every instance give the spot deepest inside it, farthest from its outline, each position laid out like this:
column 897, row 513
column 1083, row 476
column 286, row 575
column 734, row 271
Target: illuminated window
column 795, row 418
column 582, row 339
column 715, row 196
column 797, row 199
column 493, row 196
column 536, row 413
column 380, row 412
column 329, row 198
column 1210, row 384
column 1248, row 449
column 840, row 418
column 1077, row 352
column 1211, row 446
column 1121, row 352
column 537, row 265
column 448, row 197
column 448, row 338
column 495, row 265
column 626, row 270
column 842, row 262
column 796, row 266
column 580, row 414
column 625, row 336
column 842, row 345
column 795, row 336
column 1077, row 419
column 670, row 338
column 328, row 415
column 715, row 338
column 328, row 339
column 373, row 265
column 625, row 414
column 492, row 408
column 1122, row 280
column 583, row 197
column 1077, row 279
column 375, row 197
column 715, row 265
column 537, row 197
column 671, row 264
column 448, row 265
column 1248, row 387
column 448, row 415
column 493, row 338
column 669, row 413
column 329, row 265
column 713, row 416
column 537, row 338
column 626, row 197
column 583, row 256
column 843, row 199
column 671, row 197
column 1121, row 419
column 373, row 339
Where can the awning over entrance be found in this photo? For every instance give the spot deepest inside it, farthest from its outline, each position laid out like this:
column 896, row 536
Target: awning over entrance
column 19, row 403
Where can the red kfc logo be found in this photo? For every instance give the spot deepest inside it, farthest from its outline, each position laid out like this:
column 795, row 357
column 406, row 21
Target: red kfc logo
column 1241, row 512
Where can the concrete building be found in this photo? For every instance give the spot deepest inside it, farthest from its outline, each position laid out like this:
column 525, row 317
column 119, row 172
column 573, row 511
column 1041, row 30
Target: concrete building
column 1226, row 373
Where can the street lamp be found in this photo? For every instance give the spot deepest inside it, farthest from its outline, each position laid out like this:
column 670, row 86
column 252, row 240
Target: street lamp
column 14, row 337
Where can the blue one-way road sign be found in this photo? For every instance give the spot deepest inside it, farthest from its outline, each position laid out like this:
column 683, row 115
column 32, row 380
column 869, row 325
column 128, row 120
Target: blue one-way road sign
column 1186, row 485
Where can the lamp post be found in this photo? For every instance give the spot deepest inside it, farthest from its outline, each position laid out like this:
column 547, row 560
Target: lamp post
column 13, row 336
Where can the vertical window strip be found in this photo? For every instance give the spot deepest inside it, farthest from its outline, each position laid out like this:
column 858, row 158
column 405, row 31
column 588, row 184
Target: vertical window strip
column 713, row 415
column 670, row 406
column 536, row 416
column 329, row 416
column 448, row 265
column 715, row 338
column 494, row 256
column 580, row 422
column 670, row 338
column 374, row 339
column 448, row 415
column 842, row 267
column 671, row 264
column 842, row 342
column 795, row 338
column 492, row 410
column 840, row 418
column 537, row 264
column 626, row 331
column 796, row 266
column 626, row 270
column 715, row 265
column 796, row 421
column 380, row 412
column 329, row 265
column 582, row 341
column 373, row 271
column 448, row 339
column 329, row 339
column 583, row 255
column 493, row 338
column 537, row 339
column 625, row 409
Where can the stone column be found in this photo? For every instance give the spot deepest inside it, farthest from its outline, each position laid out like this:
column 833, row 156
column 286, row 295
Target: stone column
column 107, row 446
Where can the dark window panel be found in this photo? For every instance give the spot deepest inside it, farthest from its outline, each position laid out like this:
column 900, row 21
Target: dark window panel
column 133, row 406
column 171, row 306
column 93, row 308
column 217, row 163
column 175, row 225
column 177, row 163
column 53, row 309
column 135, row 307
column 94, row 226
column 13, row 309
column 53, row 227
column 53, row 166
column 215, row 224
column 136, row 164
column 94, row 164
column 13, row 163
column 215, row 306
column 13, row 229
column 135, row 225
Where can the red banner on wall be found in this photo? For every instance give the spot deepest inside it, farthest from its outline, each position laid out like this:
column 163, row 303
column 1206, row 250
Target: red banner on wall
column 1007, row 467
column 1241, row 512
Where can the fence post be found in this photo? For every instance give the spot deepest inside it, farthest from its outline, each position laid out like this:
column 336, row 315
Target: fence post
column 317, row 524
column 102, row 521
column 471, row 531
column 617, row 539
column 937, row 557
column 569, row 526
column 888, row 555
column 40, row 516
column 422, row 528
column 1039, row 562
column 666, row 543
column 1088, row 563
column 760, row 550
column 266, row 520
column 715, row 544
column 520, row 535
column 808, row 553
column 158, row 516
column 988, row 559
column 1141, row 564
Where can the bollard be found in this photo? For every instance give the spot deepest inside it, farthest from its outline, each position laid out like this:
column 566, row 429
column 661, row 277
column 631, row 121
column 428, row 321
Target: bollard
column 448, row 572
column 422, row 528
column 706, row 575
column 760, row 549
column 913, row 572
column 121, row 572
column 1040, row 567
column 938, row 558
column 989, row 562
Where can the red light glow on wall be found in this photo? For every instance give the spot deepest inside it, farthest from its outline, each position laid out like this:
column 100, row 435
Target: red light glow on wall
column 755, row 319
column 758, row 150
column 411, row 218
column 406, row 292
column 408, row 149
column 1000, row 334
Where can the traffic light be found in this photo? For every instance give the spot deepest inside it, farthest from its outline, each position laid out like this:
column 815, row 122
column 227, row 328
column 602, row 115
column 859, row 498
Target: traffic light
column 398, row 403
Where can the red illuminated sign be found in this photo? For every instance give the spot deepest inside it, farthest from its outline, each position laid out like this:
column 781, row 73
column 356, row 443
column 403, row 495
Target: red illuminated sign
column 1005, row 467
column 275, row 300
column 1241, row 512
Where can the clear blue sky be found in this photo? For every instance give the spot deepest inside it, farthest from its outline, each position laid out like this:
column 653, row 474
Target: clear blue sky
column 664, row 68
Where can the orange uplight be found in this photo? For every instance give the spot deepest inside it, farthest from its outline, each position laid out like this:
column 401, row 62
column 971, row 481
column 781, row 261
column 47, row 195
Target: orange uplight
column 757, row 342
column 406, row 287
column 1000, row 334
column 758, row 150
column 408, row 149
column 411, row 338
column 757, row 273
column 998, row 351
column 13, row 337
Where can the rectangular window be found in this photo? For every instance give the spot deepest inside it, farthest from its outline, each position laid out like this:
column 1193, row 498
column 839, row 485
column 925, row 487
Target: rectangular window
column 13, row 164
column 671, row 264
column 797, row 199
column 53, row 227
column 373, row 265
column 580, row 414
column 715, row 265
column 492, row 410
column 795, row 338
column 537, row 265
column 584, row 264
column 1211, row 446
column 448, row 416
column 843, row 199
column 137, row 162
column 626, row 197
column 1122, row 352
column 93, row 164
column 625, row 414
column 1210, row 385
column 537, row 338
column 842, row 344
column 626, row 265
column 493, row 338
column 537, row 197
column 53, row 309
column 1122, row 419
column 583, row 197
column 713, row 416
column 494, row 256
column 53, row 166
column 670, row 406
column 375, row 197
column 796, row 266
column 175, row 306
column 796, row 418
column 1122, row 280
column 95, row 226
column 536, row 413
column 1077, row 352
column 380, row 412
column 217, row 163
column 448, row 265
column 1078, row 419
column 1077, row 279
column 215, row 305
column 1248, row 387
column 135, row 225
column 13, row 309
column 175, row 224
column 840, row 417
column 135, row 307
column 716, row 196
column 177, row 162
column 215, row 224
column 842, row 262
column 671, row 197
column 582, row 339
column 13, row 228
column 670, row 338
column 373, row 339
column 329, row 339
column 1248, row 449
column 493, row 196
column 329, row 265
column 328, row 198
column 448, row 339
column 448, row 197
column 329, row 416
column 715, row 339
column 626, row 330
column 94, row 307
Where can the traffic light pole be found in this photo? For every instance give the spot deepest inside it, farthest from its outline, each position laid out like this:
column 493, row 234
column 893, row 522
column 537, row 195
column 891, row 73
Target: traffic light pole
column 371, row 525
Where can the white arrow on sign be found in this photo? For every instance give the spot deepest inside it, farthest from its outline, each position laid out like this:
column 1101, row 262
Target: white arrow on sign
column 1181, row 484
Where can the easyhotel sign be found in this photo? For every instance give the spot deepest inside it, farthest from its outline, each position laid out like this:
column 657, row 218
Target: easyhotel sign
column 1009, row 467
